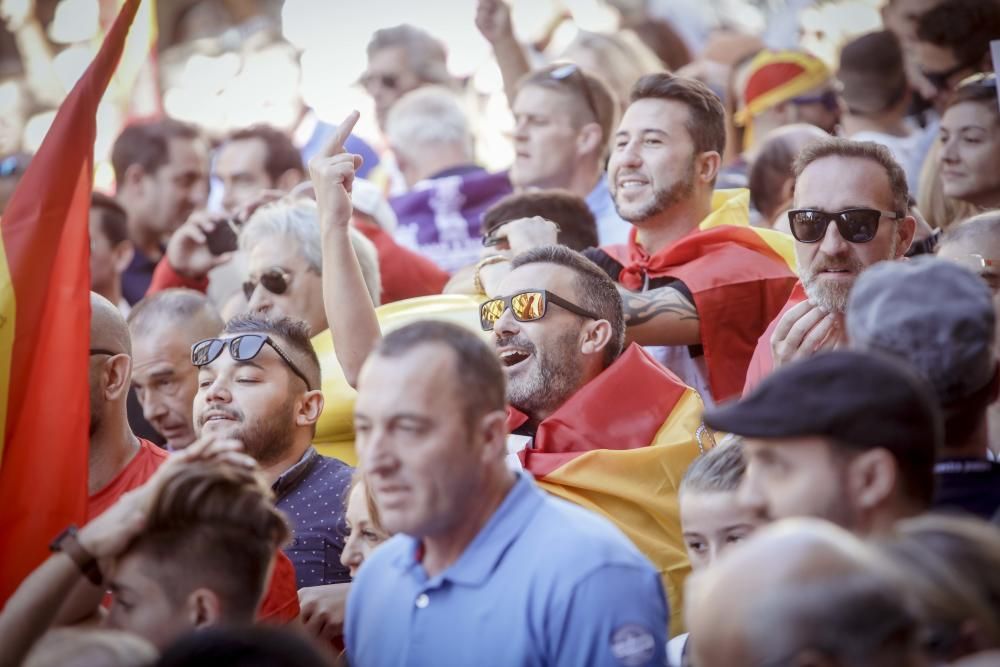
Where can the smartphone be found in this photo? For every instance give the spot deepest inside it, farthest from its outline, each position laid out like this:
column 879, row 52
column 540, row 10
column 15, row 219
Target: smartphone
column 224, row 238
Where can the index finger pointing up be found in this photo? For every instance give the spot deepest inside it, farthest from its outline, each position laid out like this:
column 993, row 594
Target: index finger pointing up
column 343, row 131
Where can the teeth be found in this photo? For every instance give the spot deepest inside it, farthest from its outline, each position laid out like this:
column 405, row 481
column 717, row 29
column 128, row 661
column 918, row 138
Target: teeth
column 509, row 353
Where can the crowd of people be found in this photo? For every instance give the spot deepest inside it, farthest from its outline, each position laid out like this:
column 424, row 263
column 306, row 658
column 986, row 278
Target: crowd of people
column 708, row 376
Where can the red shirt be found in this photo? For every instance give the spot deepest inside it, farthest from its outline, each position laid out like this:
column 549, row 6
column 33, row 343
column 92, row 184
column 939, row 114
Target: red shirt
column 762, row 362
column 281, row 600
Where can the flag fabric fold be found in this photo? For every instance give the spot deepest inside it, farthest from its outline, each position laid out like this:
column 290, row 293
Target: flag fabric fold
column 44, row 327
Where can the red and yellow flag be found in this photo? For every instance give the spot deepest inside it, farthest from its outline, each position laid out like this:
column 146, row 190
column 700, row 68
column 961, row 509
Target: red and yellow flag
column 624, row 459
column 44, row 327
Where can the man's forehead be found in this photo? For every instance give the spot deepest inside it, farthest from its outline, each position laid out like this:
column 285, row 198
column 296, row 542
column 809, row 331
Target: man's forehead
column 838, row 181
column 421, row 375
column 165, row 346
column 540, row 276
column 656, row 114
column 242, row 154
column 535, row 99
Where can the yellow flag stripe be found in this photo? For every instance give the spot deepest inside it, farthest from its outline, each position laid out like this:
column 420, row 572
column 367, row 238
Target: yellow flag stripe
column 8, row 306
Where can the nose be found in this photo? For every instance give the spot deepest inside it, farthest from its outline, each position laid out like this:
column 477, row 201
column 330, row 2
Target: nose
column 521, row 130
column 628, row 155
column 259, row 301
column 351, row 556
column 152, row 409
column 506, row 325
column 833, row 244
column 216, row 392
column 375, row 453
column 749, row 495
column 949, row 150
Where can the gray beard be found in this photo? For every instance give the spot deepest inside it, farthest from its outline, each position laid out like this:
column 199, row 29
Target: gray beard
column 552, row 381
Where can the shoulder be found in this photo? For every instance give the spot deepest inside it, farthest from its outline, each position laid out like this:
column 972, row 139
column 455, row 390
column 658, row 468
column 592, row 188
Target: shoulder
column 151, row 452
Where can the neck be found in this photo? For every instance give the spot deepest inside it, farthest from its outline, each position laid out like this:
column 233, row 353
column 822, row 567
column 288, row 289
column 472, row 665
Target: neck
column 881, row 520
column 112, row 447
column 112, row 292
column 440, row 551
column 886, row 123
column 146, row 241
column 272, row 470
column 673, row 224
column 975, row 446
column 584, row 178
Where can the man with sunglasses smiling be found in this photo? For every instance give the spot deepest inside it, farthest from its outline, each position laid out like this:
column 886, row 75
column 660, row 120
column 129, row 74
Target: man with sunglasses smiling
column 259, row 383
column 849, row 211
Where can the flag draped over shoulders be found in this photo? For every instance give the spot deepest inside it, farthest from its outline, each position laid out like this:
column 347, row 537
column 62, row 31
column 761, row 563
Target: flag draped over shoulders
column 44, row 327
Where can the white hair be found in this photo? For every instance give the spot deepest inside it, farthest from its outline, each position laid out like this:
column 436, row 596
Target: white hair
column 298, row 220
column 427, row 118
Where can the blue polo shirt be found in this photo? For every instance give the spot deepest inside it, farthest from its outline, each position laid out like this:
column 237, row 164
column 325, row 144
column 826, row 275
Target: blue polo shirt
column 543, row 583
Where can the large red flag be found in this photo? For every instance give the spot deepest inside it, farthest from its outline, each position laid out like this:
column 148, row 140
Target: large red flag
column 44, row 328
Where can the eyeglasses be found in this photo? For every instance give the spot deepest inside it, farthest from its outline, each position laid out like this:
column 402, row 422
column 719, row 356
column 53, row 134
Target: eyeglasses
column 570, row 71
column 526, row 306
column 275, row 281
column 241, row 348
column 828, row 98
column 856, row 225
column 387, row 81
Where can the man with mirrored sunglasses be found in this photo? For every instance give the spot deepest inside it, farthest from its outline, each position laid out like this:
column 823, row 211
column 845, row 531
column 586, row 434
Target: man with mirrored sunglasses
column 259, row 382
column 849, row 211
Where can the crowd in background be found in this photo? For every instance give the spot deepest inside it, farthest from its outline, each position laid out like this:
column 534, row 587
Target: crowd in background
column 648, row 332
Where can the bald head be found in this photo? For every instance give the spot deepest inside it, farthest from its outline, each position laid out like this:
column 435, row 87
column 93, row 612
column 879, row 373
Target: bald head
column 108, row 330
column 185, row 313
column 816, row 590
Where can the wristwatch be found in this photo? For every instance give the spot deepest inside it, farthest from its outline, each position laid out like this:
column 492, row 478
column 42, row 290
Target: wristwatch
column 68, row 543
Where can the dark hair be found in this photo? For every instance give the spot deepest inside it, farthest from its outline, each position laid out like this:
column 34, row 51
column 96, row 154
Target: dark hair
column 148, row 145
column 872, row 73
column 963, row 26
column 190, row 311
column 864, row 150
column 479, row 378
column 773, row 166
column 577, row 226
column 604, row 101
column 978, row 90
column 962, row 418
column 282, row 155
column 213, row 525
column 293, row 337
column 719, row 469
column 112, row 217
column 248, row 646
column 706, row 116
column 596, row 291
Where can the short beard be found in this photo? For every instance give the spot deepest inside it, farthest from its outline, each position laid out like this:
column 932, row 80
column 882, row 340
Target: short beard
column 267, row 440
column 555, row 377
column 663, row 199
column 833, row 298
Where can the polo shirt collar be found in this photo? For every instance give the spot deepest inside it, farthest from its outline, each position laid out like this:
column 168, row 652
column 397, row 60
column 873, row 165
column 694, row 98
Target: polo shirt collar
column 481, row 557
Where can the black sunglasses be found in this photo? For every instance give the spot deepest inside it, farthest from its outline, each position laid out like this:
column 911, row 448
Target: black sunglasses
column 570, row 71
column 856, row 225
column 241, row 348
column 274, row 280
column 526, row 306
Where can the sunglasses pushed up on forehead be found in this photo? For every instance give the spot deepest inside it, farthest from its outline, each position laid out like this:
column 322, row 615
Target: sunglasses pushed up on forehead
column 526, row 306
column 241, row 348
column 856, row 225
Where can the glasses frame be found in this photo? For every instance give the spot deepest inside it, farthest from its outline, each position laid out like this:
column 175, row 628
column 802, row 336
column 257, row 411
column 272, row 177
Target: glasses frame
column 250, row 286
column 567, row 71
column 547, row 297
column 838, row 218
column 233, row 344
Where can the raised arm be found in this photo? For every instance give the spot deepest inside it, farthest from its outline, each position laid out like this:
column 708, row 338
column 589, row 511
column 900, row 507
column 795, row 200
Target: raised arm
column 349, row 308
column 493, row 21
column 661, row 316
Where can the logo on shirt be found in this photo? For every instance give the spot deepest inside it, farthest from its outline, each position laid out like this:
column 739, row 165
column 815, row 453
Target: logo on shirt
column 633, row 645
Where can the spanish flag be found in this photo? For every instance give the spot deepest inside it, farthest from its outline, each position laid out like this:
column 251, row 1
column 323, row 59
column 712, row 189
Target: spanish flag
column 624, row 458
column 44, row 328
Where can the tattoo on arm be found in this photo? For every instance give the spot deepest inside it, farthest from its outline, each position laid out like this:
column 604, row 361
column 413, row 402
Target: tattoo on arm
column 642, row 307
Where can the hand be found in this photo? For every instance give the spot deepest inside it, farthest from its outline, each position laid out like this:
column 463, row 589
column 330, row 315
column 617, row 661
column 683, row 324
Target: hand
column 518, row 236
column 803, row 331
column 333, row 177
column 16, row 13
column 109, row 534
column 187, row 249
column 493, row 20
column 322, row 610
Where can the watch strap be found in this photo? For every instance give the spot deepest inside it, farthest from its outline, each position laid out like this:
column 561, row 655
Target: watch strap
column 68, row 543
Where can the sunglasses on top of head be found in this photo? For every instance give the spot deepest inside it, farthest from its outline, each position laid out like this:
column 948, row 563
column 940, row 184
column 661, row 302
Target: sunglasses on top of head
column 241, row 348
column 526, row 306
column 856, row 225
column 571, row 72
column 275, row 281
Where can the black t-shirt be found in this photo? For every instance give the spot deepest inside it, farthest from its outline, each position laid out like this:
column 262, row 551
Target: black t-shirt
column 969, row 485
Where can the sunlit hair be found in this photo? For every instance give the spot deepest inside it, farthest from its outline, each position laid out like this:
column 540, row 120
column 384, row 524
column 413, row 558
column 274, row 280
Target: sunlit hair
column 720, row 469
column 863, row 150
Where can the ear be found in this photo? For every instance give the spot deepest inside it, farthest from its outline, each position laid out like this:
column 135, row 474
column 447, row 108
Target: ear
column 787, row 192
column 203, row 608
column 121, row 255
column 907, row 228
column 133, row 177
column 596, row 336
column 872, row 478
column 588, row 140
column 493, row 430
column 310, row 408
column 118, row 376
column 707, row 165
column 289, row 180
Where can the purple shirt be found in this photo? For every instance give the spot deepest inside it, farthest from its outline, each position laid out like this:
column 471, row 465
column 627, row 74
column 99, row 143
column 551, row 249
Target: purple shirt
column 313, row 495
column 441, row 218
